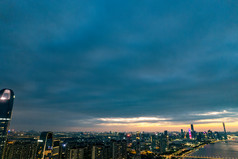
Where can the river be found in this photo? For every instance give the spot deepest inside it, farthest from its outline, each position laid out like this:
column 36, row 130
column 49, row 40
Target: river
column 227, row 149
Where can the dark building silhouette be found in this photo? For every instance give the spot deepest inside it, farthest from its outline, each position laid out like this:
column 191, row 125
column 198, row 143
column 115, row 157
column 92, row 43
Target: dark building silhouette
column 182, row 134
column 153, row 142
column 119, row 149
column 6, row 104
column 138, row 146
column 45, row 146
column 78, row 153
column 20, row 148
column 210, row 134
column 218, row 136
column 163, row 143
column 193, row 132
column 56, row 150
column 192, row 128
column 225, row 135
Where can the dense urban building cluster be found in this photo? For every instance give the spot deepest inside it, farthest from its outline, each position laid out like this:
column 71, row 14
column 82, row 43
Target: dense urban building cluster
column 94, row 145
column 107, row 145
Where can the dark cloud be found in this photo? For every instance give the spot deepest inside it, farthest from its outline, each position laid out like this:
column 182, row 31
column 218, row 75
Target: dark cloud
column 79, row 61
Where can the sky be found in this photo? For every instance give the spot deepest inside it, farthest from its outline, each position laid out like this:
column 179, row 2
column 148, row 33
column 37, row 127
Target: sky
column 120, row 65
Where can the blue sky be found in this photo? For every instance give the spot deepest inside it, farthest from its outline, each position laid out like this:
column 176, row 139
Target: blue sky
column 93, row 65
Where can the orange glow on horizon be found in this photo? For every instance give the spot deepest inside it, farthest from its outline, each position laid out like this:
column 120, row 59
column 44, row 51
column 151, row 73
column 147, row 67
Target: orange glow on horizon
column 154, row 127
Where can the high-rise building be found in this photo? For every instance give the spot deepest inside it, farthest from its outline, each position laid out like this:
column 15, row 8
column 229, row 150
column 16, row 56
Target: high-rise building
column 182, row 134
column 193, row 132
column 77, row 153
column 56, row 150
column 190, row 134
column 97, row 151
column 163, row 143
column 45, row 146
column 225, row 135
column 6, row 104
column 138, row 146
column 74, row 150
column 20, row 148
column 153, row 140
column 119, row 149
column 192, row 128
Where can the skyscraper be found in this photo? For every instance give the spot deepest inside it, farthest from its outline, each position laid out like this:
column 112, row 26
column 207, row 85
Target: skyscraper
column 119, row 149
column 182, row 134
column 225, row 135
column 163, row 143
column 192, row 128
column 190, row 134
column 193, row 132
column 45, row 146
column 6, row 104
column 137, row 148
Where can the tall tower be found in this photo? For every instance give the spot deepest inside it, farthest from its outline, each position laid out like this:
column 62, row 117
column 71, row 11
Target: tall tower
column 192, row 128
column 190, row 134
column 193, row 132
column 6, row 104
column 182, row 134
column 225, row 135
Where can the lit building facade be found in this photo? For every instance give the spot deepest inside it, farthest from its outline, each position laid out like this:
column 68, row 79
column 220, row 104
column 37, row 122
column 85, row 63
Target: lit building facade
column 45, row 146
column 6, row 104
column 21, row 148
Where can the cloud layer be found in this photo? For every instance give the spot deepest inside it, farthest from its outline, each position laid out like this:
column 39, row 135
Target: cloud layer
column 74, row 63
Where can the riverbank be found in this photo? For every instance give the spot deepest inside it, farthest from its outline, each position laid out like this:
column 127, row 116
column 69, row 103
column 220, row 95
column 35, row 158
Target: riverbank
column 221, row 149
column 198, row 148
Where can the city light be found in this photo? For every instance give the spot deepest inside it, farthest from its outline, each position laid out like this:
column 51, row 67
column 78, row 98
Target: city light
column 6, row 95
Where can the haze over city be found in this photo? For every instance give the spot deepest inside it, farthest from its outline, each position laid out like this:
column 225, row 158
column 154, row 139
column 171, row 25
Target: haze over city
column 120, row 66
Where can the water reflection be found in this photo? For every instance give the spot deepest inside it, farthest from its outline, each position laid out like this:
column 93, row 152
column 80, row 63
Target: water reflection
column 219, row 150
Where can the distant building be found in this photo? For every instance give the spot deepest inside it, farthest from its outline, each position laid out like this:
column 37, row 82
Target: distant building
column 166, row 133
column 74, row 150
column 6, row 104
column 182, row 134
column 217, row 135
column 138, row 146
column 97, row 151
column 210, row 134
column 163, row 143
column 193, row 132
column 190, row 134
column 192, row 128
column 119, row 149
column 153, row 139
column 224, row 127
column 92, row 149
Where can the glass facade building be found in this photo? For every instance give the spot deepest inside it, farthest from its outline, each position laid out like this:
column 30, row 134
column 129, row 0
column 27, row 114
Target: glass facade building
column 6, row 104
column 45, row 146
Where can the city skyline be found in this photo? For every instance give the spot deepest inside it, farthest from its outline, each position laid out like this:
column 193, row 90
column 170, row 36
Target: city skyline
column 121, row 66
